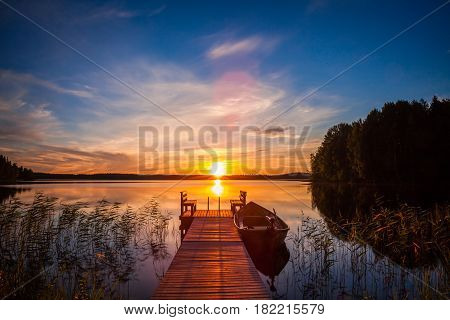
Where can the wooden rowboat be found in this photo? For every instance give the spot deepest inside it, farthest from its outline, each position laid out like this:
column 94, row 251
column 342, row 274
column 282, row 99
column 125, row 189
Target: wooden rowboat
column 257, row 224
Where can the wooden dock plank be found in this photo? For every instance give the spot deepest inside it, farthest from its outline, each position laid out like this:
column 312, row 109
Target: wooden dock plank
column 212, row 263
column 212, row 229
column 208, row 214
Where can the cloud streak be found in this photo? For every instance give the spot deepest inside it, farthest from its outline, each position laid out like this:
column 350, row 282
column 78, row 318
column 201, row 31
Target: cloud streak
column 110, row 12
column 57, row 159
column 229, row 48
column 29, row 79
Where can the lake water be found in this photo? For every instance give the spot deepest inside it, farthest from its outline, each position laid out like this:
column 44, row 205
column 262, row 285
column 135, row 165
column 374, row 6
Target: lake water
column 316, row 263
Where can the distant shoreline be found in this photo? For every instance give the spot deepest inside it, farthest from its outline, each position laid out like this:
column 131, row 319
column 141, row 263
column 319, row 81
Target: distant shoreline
column 74, row 178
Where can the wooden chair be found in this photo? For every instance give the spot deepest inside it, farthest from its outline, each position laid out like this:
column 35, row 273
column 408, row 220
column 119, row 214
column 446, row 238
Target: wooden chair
column 185, row 203
column 239, row 203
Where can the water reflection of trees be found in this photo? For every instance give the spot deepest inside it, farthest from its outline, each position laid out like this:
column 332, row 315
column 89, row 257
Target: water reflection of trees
column 73, row 251
column 325, row 267
column 8, row 192
column 411, row 235
column 370, row 244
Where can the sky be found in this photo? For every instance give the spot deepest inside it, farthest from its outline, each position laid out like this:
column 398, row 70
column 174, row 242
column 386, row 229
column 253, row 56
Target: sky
column 73, row 97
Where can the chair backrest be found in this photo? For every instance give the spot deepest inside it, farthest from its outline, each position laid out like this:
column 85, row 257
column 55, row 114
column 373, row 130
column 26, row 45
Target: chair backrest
column 243, row 196
column 183, row 196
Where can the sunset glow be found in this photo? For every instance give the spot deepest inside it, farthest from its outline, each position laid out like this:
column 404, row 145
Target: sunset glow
column 218, row 169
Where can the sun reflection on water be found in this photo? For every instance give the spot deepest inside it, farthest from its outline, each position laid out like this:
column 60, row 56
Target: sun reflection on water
column 217, row 188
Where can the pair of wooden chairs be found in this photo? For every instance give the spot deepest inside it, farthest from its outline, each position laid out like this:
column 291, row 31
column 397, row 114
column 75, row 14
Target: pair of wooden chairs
column 186, row 204
column 236, row 205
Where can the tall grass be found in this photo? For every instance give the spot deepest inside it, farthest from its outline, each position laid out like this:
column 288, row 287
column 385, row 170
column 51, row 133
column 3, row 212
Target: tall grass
column 410, row 236
column 327, row 265
column 72, row 251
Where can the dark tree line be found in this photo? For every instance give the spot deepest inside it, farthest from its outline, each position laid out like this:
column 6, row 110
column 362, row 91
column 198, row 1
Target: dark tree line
column 404, row 142
column 10, row 172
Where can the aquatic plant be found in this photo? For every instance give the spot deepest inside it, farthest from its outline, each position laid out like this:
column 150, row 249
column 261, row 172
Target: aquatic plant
column 412, row 230
column 329, row 267
column 72, row 251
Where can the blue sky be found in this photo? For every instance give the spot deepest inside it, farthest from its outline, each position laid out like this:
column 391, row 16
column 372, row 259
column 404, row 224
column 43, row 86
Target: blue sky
column 216, row 63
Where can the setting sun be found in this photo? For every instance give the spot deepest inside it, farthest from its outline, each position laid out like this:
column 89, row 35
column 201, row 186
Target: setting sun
column 218, row 169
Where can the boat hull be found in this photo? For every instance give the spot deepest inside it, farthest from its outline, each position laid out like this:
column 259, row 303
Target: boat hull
column 274, row 237
column 259, row 226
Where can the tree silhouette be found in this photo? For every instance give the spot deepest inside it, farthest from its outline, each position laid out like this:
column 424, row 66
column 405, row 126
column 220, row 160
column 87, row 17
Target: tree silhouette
column 10, row 172
column 404, row 142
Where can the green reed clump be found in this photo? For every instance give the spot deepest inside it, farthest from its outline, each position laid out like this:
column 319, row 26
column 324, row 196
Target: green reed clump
column 72, row 251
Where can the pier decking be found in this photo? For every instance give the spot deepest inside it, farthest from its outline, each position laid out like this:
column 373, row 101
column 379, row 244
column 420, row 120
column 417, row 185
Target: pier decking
column 208, row 214
column 212, row 262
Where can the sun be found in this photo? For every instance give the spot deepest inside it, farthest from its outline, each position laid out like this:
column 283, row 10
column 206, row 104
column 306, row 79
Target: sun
column 218, row 169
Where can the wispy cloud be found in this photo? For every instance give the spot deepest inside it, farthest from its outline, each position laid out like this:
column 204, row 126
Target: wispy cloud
column 234, row 98
column 157, row 11
column 29, row 79
column 275, row 130
column 110, row 12
column 57, row 159
column 235, row 47
column 26, row 122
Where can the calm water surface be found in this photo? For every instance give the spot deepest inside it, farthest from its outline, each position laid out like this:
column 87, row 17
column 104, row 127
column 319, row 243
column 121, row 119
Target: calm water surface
column 318, row 265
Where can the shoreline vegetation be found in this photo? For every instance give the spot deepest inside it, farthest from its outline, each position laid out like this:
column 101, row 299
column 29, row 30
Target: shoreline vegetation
column 50, row 177
column 11, row 173
column 120, row 176
column 77, row 251
column 403, row 143
column 384, row 181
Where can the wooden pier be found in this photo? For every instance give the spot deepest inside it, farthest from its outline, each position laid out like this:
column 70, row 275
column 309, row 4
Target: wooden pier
column 212, row 262
column 208, row 214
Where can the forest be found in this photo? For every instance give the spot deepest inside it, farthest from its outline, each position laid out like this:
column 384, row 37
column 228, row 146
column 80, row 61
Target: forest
column 11, row 172
column 403, row 143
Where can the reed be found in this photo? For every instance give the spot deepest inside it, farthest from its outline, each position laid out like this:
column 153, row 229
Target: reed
column 329, row 265
column 74, row 251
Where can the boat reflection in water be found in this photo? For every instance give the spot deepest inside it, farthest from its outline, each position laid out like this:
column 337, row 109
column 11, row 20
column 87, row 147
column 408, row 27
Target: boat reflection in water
column 269, row 258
